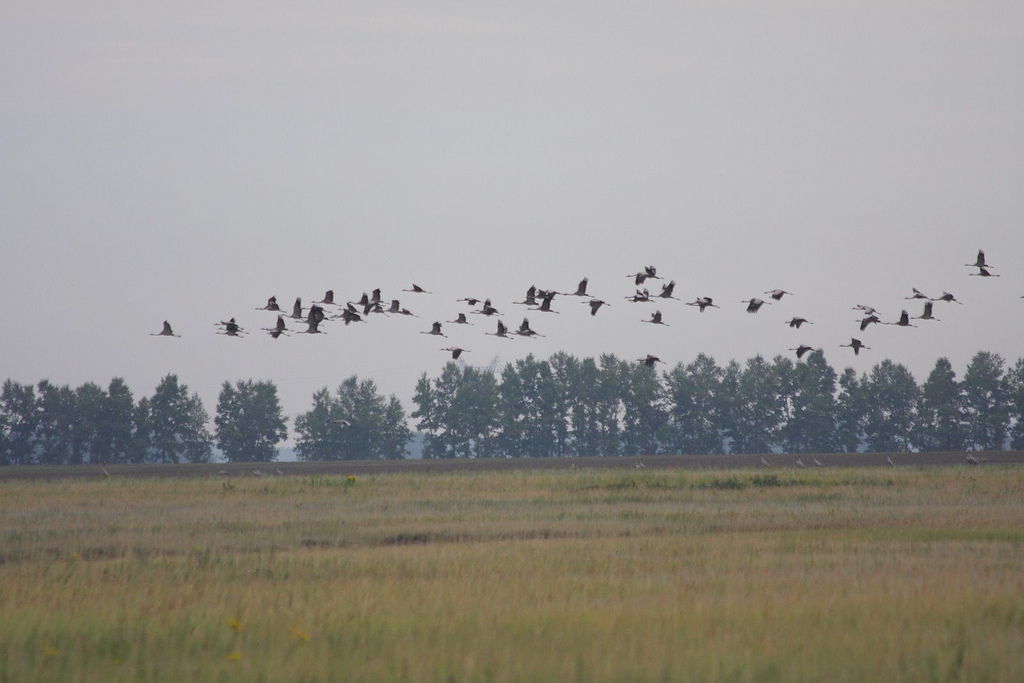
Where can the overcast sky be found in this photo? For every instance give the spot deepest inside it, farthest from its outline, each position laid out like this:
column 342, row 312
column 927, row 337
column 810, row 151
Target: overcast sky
column 187, row 161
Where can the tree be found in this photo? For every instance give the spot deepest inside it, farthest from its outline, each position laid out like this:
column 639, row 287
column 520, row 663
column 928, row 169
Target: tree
column 1015, row 396
column 19, row 420
column 114, row 437
column 757, row 409
column 533, row 422
column 695, row 410
column 55, row 429
column 810, row 387
column 891, row 411
column 177, row 424
column 89, row 402
column 940, row 415
column 458, row 412
column 356, row 423
column 249, row 423
column 578, row 380
column 645, row 416
column 986, row 402
column 851, row 412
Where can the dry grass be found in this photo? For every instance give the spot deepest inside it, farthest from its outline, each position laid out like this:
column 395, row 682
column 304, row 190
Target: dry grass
column 518, row 576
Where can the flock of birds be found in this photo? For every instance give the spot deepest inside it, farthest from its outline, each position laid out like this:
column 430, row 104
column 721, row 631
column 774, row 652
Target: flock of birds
column 542, row 301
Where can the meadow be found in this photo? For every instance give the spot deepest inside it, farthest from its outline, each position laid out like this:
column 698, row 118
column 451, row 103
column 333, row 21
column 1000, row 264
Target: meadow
column 558, row 575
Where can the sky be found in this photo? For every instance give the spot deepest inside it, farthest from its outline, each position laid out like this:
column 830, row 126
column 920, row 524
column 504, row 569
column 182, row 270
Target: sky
column 186, row 162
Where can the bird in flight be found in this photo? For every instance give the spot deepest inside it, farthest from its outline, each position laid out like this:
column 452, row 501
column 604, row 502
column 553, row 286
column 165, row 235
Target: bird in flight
column 460, row 320
column 983, row 272
column 278, row 329
column 666, row 290
column 650, row 360
column 777, row 294
column 797, row 322
column 703, row 302
column 948, row 298
column 435, row 329
column 231, row 328
column 271, row 305
column 801, row 350
column 581, row 288
column 979, row 262
column 328, row 298
column 416, row 289
column 501, row 332
column 656, row 319
column 525, row 331
column 856, row 345
column 918, row 294
column 595, row 304
column 165, row 332
column 456, row 351
column 927, row 313
column 868, row 321
column 904, row 321
column 753, row 305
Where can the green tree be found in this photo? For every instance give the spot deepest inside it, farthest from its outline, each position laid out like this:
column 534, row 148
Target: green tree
column 55, row 430
column 140, row 448
column 579, row 382
column 757, row 409
column 810, row 388
column 1015, row 396
column 645, row 415
column 89, row 401
column 19, row 421
column 891, row 411
column 113, row 440
column 458, row 412
column 986, row 402
column 532, row 422
column 695, row 411
column 249, row 423
column 851, row 411
column 177, row 422
column 356, row 423
column 940, row 415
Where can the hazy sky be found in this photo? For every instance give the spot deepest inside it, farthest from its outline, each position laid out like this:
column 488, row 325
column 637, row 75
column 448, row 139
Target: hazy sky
column 185, row 162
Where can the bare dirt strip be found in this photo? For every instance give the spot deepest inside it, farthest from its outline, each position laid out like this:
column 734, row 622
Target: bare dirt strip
column 368, row 467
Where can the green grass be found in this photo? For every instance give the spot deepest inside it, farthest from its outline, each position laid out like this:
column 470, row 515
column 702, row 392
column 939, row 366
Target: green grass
column 559, row 575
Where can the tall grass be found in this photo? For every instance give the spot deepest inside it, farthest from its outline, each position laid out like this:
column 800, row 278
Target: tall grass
column 569, row 575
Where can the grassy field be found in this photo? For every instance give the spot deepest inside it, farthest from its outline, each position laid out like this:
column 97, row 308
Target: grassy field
column 835, row 574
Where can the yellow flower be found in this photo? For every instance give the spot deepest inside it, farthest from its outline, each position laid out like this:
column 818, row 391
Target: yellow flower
column 351, row 479
column 234, row 656
column 235, row 624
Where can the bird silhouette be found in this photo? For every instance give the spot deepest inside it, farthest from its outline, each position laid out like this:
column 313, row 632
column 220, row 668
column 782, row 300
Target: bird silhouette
column 231, row 328
column 581, row 288
column 856, row 345
column 456, row 351
column 868, row 320
column 312, row 325
column 703, row 302
column 650, row 360
column 297, row 309
column 525, row 331
column 656, row 319
column 545, row 304
column 983, row 272
column 641, row 297
column 927, row 313
column 753, row 305
column 918, row 294
column 801, row 350
column 869, row 310
column 460, row 319
column 328, row 298
column 531, row 297
column 271, row 305
column 595, row 304
column 278, row 329
column 417, row 289
column 777, row 294
column 501, row 332
column 904, row 321
column 666, row 290
column 797, row 322
column 948, row 298
column 435, row 329
column 165, row 332
column 979, row 262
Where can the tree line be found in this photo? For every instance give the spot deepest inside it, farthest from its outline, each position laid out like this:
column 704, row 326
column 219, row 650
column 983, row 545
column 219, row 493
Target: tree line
column 565, row 406
column 46, row 424
column 562, row 406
